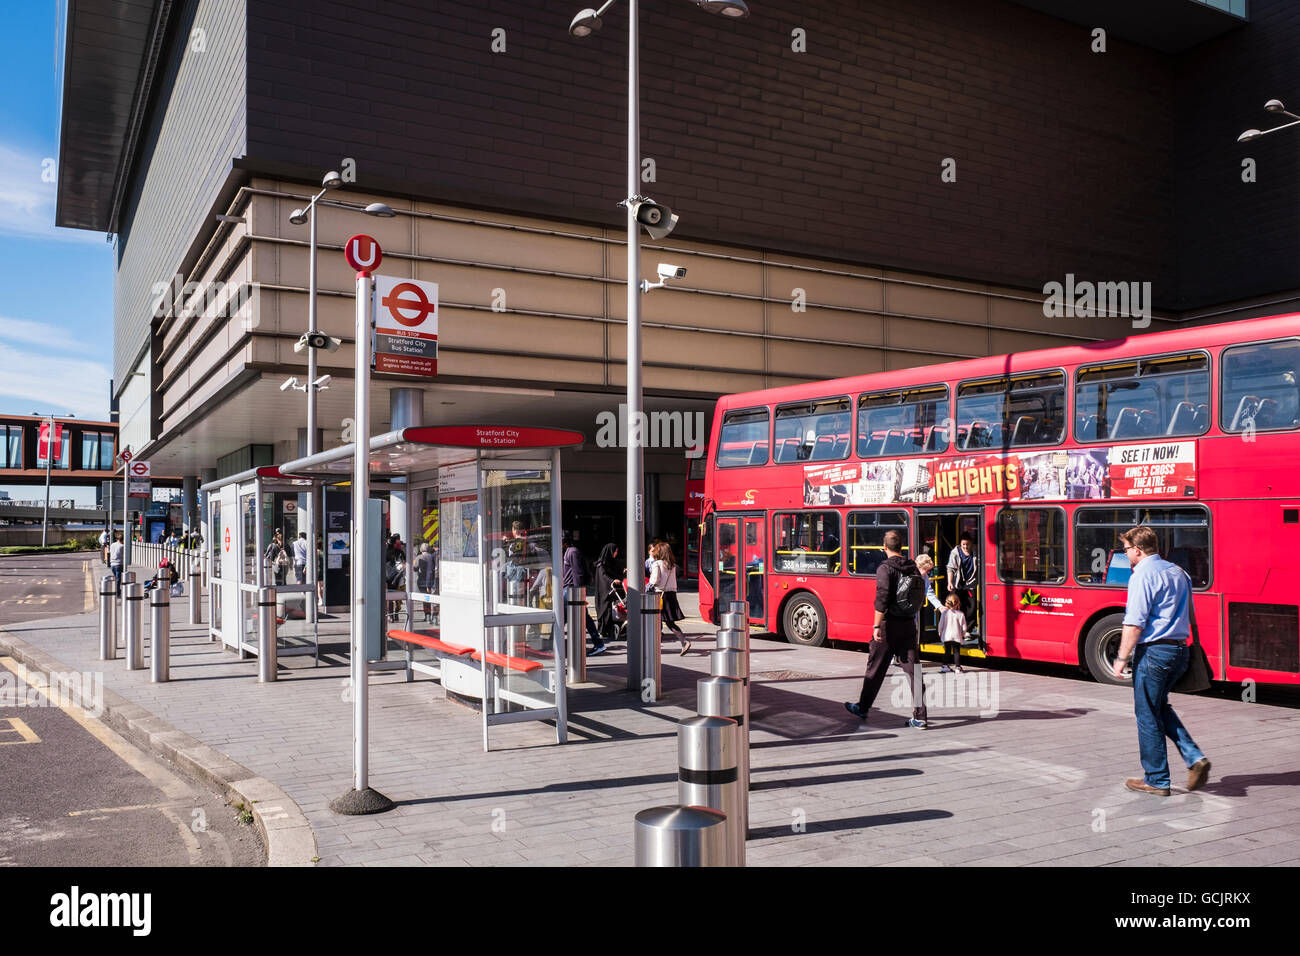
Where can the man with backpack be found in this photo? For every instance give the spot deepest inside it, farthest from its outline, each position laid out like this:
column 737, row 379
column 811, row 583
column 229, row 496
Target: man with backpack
column 900, row 592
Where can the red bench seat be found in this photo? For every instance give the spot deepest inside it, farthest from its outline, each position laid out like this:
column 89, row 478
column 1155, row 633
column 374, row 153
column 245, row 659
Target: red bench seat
column 433, row 643
column 505, row 660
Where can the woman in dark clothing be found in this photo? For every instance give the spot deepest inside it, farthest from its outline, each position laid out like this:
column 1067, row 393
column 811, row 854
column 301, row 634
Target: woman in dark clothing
column 608, row 570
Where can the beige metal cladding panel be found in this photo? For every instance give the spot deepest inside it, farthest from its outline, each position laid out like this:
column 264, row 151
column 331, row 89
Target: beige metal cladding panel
column 702, row 271
column 507, row 333
column 826, row 324
column 812, row 362
column 1008, row 342
column 696, row 348
column 917, row 300
column 524, row 291
column 901, row 360
column 688, row 380
column 959, row 341
column 1010, row 313
column 679, row 307
column 854, row 292
column 490, row 245
column 518, row 368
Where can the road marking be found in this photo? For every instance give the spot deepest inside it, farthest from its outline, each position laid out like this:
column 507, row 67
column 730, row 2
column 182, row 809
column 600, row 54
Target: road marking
column 16, row 726
column 191, row 842
column 166, row 781
column 90, row 587
column 136, row 806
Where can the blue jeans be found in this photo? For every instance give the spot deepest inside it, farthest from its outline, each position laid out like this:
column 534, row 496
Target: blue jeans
column 1156, row 668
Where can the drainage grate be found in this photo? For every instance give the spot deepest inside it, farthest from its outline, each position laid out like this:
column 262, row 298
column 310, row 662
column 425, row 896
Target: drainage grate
column 783, row 675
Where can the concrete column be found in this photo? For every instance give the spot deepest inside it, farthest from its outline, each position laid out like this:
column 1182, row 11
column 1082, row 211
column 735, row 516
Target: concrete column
column 205, row 475
column 190, row 502
column 405, row 410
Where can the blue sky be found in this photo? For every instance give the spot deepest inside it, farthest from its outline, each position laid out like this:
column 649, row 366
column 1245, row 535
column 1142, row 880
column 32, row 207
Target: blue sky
column 56, row 285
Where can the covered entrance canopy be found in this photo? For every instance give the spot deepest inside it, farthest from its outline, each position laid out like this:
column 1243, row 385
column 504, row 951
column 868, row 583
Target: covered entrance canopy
column 492, row 589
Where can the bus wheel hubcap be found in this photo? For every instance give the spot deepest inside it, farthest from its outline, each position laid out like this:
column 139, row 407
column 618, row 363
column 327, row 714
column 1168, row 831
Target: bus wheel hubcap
column 805, row 620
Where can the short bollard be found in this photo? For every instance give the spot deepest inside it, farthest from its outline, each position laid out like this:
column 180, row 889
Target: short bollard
column 132, row 601
column 108, row 618
column 128, row 577
column 708, row 776
column 680, row 836
column 196, row 612
column 266, row 636
column 575, row 632
column 726, row 697
column 733, row 637
column 733, row 619
column 160, row 640
column 651, row 663
column 737, row 607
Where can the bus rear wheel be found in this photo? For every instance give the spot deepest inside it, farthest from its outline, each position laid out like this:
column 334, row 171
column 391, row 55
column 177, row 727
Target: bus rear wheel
column 1102, row 647
column 804, row 621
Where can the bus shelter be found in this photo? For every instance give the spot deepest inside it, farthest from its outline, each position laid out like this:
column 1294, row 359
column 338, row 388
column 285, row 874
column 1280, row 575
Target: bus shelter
column 244, row 512
column 486, row 619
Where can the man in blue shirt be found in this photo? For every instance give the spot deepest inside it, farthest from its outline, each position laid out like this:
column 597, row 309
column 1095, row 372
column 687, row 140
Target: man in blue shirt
column 1157, row 624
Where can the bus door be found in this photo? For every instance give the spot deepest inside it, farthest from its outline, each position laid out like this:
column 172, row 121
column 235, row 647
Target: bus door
column 937, row 534
column 741, row 562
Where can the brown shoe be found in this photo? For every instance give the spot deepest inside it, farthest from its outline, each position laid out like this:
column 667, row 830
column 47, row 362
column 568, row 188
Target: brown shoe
column 1198, row 773
column 1138, row 785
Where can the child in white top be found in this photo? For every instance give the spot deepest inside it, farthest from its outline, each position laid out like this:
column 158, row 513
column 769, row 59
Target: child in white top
column 952, row 631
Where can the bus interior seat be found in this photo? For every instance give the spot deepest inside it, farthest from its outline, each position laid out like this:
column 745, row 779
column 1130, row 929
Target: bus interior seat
column 995, row 436
column 896, row 442
column 1183, row 421
column 787, row 450
column 1266, row 416
column 1126, row 423
column 1202, row 420
column 1086, row 430
column 1024, row 431
column 1245, row 409
column 824, row 449
column 1148, row 423
column 759, row 455
column 977, row 434
column 841, row 449
column 936, row 438
column 871, row 447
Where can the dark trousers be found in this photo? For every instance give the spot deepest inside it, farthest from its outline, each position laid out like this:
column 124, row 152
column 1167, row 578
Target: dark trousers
column 968, row 609
column 900, row 641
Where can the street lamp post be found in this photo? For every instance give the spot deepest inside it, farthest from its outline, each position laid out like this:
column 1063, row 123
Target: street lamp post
column 583, row 25
column 331, row 180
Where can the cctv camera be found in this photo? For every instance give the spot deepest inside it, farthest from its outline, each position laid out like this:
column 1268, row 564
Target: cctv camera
column 288, row 384
column 657, row 218
column 669, row 271
column 322, row 382
column 317, row 340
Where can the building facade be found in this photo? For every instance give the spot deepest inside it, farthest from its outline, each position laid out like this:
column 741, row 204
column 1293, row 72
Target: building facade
column 861, row 187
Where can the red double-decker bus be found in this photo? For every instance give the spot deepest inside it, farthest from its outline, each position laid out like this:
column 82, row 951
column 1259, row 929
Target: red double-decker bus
column 1043, row 458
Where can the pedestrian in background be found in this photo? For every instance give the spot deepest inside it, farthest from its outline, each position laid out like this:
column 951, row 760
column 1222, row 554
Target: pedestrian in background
column 300, row 558
column 115, row 553
column 575, row 576
column 952, row 633
column 1157, row 625
column 963, row 579
column 426, row 569
column 663, row 578
column 899, row 596
column 609, row 569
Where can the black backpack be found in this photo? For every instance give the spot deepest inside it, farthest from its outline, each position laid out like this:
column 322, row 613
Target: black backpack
column 909, row 591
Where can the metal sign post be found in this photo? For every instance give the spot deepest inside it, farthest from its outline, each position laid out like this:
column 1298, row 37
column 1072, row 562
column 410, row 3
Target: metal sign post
column 364, row 255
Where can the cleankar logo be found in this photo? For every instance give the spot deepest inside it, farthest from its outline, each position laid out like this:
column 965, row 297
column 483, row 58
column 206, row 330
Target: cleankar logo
column 1031, row 600
column 76, row 909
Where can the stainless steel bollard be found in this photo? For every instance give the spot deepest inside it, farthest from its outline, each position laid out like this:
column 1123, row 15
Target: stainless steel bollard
column 680, row 836
column 708, row 775
column 267, row 649
column 132, row 601
column 651, row 663
column 107, row 618
column 732, row 619
column 128, row 577
column 728, row 697
column 730, row 662
column 160, row 640
column 733, row 637
column 737, row 607
column 516, row 636
column 575, row 632
column 196, row 611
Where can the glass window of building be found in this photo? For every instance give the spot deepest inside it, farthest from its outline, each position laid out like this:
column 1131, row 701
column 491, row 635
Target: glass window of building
column 910, row 421
column 1261, row 387
column 1031, row 545
column 742, row 439
column 11, row 446
column 812, row 431
column 1143, row 398
column 867, row 538
column 807, row 542
column 1099, row 558
column 1012, row 411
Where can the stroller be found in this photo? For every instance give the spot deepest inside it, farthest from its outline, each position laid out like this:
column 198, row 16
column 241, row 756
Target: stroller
column 618, row 609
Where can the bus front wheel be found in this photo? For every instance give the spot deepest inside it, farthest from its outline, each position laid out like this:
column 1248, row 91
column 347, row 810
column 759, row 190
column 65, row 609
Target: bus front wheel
column 1102, row 647
column 804, row 621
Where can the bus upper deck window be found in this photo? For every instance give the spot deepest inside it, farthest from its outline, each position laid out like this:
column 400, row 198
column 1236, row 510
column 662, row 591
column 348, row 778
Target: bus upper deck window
column 1261, row 387
column 742, row 439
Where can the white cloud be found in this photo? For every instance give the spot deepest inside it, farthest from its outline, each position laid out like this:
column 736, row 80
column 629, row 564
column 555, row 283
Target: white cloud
column 39, row 333
column 27, row 201
column 43, row 381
